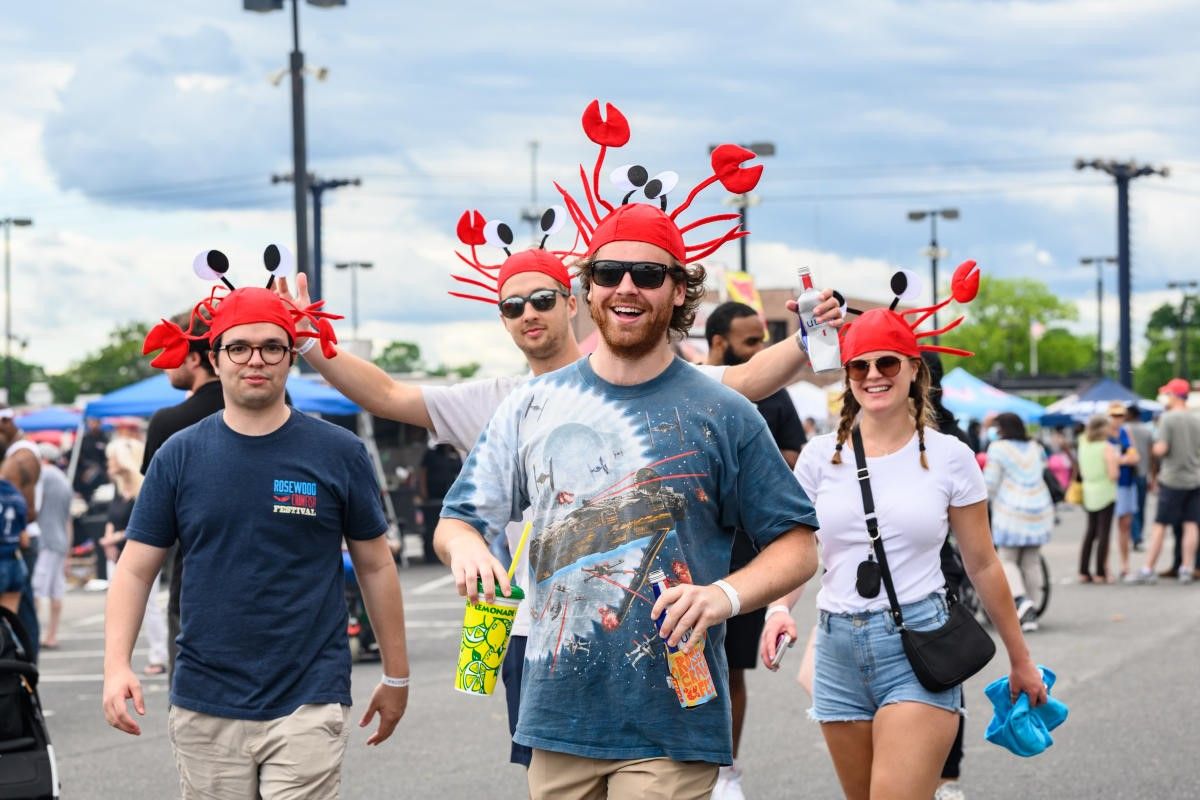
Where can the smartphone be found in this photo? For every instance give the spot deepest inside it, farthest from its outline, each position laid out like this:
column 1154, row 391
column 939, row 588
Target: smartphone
column 781, row 645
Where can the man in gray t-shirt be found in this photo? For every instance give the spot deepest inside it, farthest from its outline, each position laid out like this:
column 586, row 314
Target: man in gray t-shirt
column 54, row 518
column 1177, row 446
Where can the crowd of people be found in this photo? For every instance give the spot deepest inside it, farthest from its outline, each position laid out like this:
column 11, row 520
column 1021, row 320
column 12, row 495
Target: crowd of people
column 624, row 462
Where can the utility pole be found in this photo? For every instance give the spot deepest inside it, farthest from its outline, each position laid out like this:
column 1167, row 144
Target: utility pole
column 8, row 223
column 533, row 214
column 933, row 252
column 1183, row 322
column 318, row 187
column 1099, row 261
column 1122, row 173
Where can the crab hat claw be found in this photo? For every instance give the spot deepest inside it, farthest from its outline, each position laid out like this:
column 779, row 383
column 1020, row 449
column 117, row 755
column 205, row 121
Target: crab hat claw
column 611, row 133
column 965, row 283
column 168, row 337
column 470, row 228
column 727, row 161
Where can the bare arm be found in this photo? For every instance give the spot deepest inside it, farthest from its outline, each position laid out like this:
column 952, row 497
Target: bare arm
column 782, row 566
column 376, row 572
column 970, row 526
column 791, row 457
column 22, row 470
column 124, row 608
column 359, row 379
column 1160, row 448
column 1112, row 462
column 466, row 553
column 779, row 365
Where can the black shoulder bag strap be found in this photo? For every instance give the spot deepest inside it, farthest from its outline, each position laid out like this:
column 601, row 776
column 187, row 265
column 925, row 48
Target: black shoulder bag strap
column 864, row 483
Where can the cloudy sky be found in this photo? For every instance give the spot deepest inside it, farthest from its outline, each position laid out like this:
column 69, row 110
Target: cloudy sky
column 138, row 133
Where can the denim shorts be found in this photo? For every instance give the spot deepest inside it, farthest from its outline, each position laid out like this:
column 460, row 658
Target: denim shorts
column 861, row 666
column 1127, row 500
column 12, row 574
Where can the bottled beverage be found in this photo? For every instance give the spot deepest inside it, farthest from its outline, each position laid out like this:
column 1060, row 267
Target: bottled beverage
column 690, row 676
column 821, row 341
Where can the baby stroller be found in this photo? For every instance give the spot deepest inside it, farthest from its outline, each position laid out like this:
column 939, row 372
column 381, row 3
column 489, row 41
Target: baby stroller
column 27, row 767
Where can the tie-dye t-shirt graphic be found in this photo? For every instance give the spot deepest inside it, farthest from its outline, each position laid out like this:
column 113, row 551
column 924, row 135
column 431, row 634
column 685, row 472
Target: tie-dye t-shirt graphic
column 622, row 480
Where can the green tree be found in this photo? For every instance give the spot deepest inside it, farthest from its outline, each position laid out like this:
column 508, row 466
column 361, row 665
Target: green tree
column 400, row 357
column 118, row 363
column 1163, row 337
column 998, row 325
column 23, row 374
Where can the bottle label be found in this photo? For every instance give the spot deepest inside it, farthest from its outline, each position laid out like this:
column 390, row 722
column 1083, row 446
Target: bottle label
column 689, row 673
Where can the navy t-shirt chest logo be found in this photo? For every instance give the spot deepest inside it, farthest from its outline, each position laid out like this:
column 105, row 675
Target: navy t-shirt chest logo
column 294, row 497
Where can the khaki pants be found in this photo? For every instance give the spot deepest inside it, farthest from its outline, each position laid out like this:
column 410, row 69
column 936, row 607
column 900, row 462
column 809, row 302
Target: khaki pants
column 293, row 757
column 564, row 777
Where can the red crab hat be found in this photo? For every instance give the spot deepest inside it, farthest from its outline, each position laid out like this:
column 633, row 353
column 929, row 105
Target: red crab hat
column 888, row 329
column 601, row 222
column 226, row 307
column 474, row 230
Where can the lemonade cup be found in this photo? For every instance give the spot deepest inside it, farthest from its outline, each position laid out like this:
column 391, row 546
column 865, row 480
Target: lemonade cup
column 485, row 633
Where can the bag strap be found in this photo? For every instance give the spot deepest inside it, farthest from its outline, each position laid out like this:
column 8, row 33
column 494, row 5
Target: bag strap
column 864, row 483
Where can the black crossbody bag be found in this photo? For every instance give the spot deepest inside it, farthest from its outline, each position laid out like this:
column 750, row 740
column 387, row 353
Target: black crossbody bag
column 941, row 658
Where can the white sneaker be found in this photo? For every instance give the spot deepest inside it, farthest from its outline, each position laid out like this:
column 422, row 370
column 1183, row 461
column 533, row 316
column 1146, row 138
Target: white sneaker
column 95, row 585
column 1185, row 575
column 729, row 784
column 949, row 791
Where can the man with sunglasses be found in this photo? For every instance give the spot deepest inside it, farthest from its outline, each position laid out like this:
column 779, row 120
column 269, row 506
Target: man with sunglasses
column 536, row 307
column 260, row 499
column 633, row 462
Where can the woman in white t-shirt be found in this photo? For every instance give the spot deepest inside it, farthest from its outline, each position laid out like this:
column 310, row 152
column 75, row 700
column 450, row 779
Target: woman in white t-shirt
column 887, row 734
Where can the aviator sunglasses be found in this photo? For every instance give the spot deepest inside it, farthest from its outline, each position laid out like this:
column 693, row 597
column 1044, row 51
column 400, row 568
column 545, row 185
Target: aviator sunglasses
column 541, row 300
column 888, row 366
column 645, row 274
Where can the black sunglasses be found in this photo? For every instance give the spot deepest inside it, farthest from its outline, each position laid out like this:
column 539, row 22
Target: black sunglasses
column 888, row 366
column 645, row 274
column 541, row 300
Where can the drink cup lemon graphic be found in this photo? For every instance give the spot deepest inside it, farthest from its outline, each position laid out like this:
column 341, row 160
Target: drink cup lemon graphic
column 485, row 634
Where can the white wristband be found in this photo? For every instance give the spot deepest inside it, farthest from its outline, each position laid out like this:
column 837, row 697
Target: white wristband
column 308, row 345
column 396, row 682
column 778, row 607
column 734, row 601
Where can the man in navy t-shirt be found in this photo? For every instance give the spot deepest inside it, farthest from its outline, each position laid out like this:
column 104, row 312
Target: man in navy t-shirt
column 259, row 498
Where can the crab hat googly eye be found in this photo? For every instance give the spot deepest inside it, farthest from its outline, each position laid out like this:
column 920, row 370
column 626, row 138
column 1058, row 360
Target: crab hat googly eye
column 210, row 265
column 906, row 285
column 629, row 177
column 279, row 261
column 660, row 185
column 498, row 234
column 553, row 218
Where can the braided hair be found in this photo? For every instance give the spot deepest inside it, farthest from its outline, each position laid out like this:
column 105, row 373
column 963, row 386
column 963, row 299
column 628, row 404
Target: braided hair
column 922, row 411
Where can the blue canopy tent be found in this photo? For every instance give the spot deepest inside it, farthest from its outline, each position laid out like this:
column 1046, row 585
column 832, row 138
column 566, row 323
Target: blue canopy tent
column 50, row 419
column 968, row 397
column 1093, row 398
column 143, row 398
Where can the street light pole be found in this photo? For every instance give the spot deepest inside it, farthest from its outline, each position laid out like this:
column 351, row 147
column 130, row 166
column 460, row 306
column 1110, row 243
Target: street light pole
column 354, row 267
column 933, row 214
column 1099, row 261
column 1183, row 322
column 299, row 139
column 8, row 223
column 1123, row 173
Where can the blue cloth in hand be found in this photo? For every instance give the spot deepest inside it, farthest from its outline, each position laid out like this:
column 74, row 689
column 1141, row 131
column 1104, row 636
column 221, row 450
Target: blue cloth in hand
column 1020, row 728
